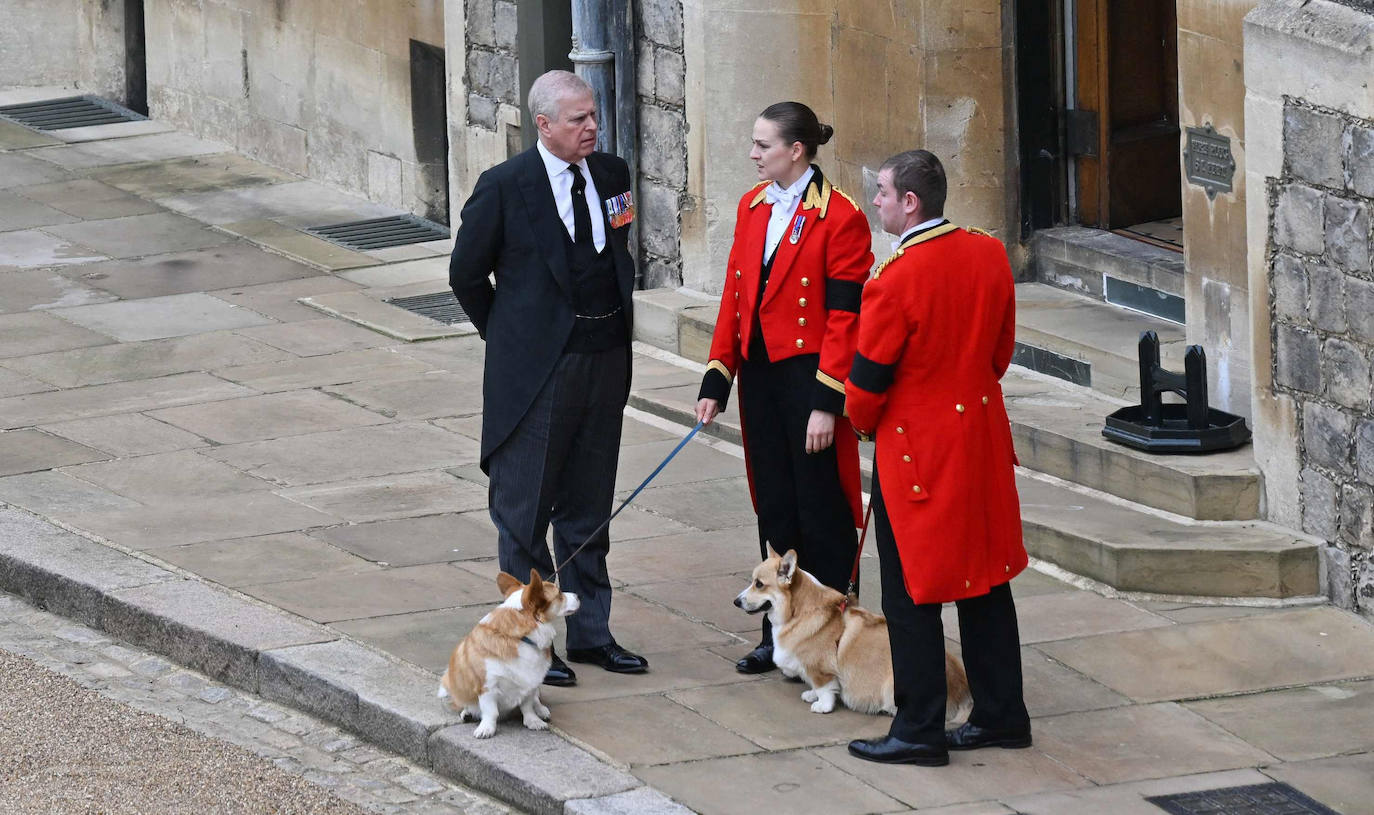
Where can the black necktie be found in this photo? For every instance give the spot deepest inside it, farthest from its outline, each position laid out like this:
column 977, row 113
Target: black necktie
column 582, row 219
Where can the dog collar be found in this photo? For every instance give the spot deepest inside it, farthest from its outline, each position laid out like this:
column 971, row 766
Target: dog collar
column 530, row 641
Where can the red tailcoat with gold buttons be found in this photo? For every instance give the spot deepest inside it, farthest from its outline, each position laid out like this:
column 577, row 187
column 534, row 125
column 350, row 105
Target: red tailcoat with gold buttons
column 810, row 304
column 935, row 336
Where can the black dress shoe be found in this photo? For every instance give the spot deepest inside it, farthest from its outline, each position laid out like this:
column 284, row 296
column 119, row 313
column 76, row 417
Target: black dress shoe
column 970, row 736
column 559, row 674
column 892, row 750
column 757, row 661
column 611, row 657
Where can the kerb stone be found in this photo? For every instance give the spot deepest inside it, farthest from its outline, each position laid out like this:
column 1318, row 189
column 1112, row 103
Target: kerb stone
column 381, row 699
column 641, row 801
column 536, row 771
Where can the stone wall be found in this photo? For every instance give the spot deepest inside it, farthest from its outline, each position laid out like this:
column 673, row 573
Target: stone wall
column 69, row 44
column 661, row 76
column 1311, row 177
column 318, row 87
column 492, row 76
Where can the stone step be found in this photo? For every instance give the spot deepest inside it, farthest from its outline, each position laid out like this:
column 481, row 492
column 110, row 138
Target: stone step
column 1132, row 550
column 1057, row 429
column 1087, row 342
column 1107, row 266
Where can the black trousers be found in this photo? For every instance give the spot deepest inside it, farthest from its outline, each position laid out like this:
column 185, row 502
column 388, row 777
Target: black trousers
column 559, row 466
column 991, row 649
column 800, row 501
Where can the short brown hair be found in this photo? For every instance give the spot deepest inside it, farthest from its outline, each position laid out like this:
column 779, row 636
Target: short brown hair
column 920, row 172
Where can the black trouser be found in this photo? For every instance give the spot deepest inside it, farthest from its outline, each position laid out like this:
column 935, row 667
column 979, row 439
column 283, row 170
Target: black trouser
column 988, row 634
column 800, row 502
column 559, row 465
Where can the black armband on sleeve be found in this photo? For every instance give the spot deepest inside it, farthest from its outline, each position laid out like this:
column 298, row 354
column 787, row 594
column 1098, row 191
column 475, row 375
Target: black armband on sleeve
column 843, row 295
column 873, row 377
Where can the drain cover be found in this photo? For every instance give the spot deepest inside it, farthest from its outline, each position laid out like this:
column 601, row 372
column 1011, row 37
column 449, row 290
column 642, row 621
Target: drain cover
column 441, row 306
column 73, row 111
column 1259, row 799
column 379, row 233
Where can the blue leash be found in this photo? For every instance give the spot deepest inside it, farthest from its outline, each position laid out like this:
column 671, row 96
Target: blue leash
column 632, row 496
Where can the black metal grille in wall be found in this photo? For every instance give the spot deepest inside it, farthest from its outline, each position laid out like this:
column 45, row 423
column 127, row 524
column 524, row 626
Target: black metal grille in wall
column 441, row 306
column 73, row 111
column 379, row 233
column 1255, row 799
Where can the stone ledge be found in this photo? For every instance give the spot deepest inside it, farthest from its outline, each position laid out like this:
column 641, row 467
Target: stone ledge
column 1076, row 258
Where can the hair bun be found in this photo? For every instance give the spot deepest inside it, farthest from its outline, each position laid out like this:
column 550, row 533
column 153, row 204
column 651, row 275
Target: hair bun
column 826, row 132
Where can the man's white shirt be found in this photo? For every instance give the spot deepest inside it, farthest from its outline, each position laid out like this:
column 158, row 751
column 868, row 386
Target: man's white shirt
column 561, row 179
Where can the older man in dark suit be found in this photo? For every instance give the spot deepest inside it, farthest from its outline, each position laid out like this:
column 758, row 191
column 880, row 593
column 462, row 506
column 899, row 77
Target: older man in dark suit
column 551, row 224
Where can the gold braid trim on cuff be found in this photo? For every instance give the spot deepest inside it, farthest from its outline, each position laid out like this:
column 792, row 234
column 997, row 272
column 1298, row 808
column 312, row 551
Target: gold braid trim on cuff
column 830, row 381
column 717, row 365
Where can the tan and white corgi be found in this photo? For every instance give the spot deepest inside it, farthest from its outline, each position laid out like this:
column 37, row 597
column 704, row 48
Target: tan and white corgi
column 837, row 653
column 500, row 664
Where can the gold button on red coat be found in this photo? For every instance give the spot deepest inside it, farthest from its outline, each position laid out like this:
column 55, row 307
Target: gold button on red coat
column 901, row 429
column 737, row 274
column 985, row 400
column 801, row 321
column 801, row 302
column 907, row 459
column 959, row 408
column 806, row 281
column 915, row 487
column 967, row 584
column 800, row 343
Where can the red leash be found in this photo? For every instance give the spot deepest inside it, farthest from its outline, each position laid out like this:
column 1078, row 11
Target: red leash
column 854, row 574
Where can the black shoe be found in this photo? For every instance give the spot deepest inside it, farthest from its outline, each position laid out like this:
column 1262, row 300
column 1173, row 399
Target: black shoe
column 757, row 661
column 970, row 736
column 892, row 750
column 559, row 674
column 611, row 657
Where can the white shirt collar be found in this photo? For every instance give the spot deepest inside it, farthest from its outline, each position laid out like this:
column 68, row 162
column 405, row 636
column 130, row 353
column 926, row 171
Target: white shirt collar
column 797, row 187
column 555, row 165
column 917, row 228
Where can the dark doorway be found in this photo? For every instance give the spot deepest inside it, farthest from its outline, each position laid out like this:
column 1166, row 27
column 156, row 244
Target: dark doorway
column 1040, row 106
column 135, row 58
column 429, row 124
column 545, row 28
column 1126, row 55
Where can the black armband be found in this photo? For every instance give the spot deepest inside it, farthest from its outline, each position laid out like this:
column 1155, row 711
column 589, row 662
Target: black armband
column 873, row 377
column 843, row 295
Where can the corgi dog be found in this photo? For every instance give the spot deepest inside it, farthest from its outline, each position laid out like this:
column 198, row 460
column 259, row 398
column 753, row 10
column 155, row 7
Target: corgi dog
column 501, row 663
column 837, row 653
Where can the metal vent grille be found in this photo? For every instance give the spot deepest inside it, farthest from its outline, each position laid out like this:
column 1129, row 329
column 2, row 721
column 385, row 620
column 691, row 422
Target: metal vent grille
column 379, row 233
column 73, row 111
column 1256, row 799
column 441, row 306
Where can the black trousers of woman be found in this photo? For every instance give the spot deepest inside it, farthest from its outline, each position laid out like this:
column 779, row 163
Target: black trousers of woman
column 801, row 503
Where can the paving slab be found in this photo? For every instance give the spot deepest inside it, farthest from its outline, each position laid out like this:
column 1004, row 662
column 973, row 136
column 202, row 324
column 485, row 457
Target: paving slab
column 191, row 174
column 1052, row 689
column 372, row 309
column 1299, row 723
column 114, row 130
column 129, row 434
column 264, row 559
column 164, row 478
column 33, row 247
column 709, row 600
column 332, row 369
column 1344, row 783
column 1187, row 613
column 792, row 782
column 460, row 355
column 139, row 235
column 25, row 451
column 295, row 204
column 615, row 728
column 1127, row 799
column 114, row 398
column 176, row 315
column 145, row 360
column 278, row 300
column 1065, row 615
column 638, row 801
column 391, row 496
column 435, row 395
column 710, row 505
column 19, row 170
column 439, row 538
column 196, row 520
column 970, row 777
column 13, row 383
column 714, row 554
column 1142, row 741
column 332, row 598
column 270, row 416
column 39, row 332
column 54, row 494
column 88, row 199
column 199, row 270
column 678, row 670
column 136, row 149
column 37, row 289
column 695, row 462
column 18, row 137
column 333, row 456
column 18, row 212
column 294, row 243
column 1297, row 647
column 646, row 628
column 771, row 714
column 422, row 638
column 430, row 269
column 309, row 338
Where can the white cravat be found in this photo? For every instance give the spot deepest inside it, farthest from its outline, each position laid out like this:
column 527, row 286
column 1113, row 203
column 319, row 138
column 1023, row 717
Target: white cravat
column 897, row 244
column 560, row 179
column 784, row 203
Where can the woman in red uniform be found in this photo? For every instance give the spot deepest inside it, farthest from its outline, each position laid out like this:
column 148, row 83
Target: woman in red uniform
column 788, row 326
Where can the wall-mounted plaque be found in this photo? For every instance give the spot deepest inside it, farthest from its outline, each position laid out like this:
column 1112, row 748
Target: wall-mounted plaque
column 1207, row 160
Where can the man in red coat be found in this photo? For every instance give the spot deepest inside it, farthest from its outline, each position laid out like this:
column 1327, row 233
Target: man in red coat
column 935, row 336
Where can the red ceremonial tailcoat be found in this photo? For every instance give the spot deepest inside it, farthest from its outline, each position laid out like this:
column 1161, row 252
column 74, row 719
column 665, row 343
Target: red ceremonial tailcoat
column 935, row 336
column 810, row 304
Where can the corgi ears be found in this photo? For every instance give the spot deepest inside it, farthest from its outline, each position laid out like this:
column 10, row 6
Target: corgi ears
column 535, row 598
column 788, row 567
column 507, row 584
column 771, row 551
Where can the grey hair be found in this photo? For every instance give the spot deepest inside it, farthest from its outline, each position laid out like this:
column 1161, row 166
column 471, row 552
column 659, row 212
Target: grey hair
column 551, row 88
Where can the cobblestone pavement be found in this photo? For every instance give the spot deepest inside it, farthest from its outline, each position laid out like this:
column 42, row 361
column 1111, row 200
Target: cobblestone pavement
column 93, row 725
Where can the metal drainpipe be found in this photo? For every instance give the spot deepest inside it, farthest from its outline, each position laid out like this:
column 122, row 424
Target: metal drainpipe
column 603, row 53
